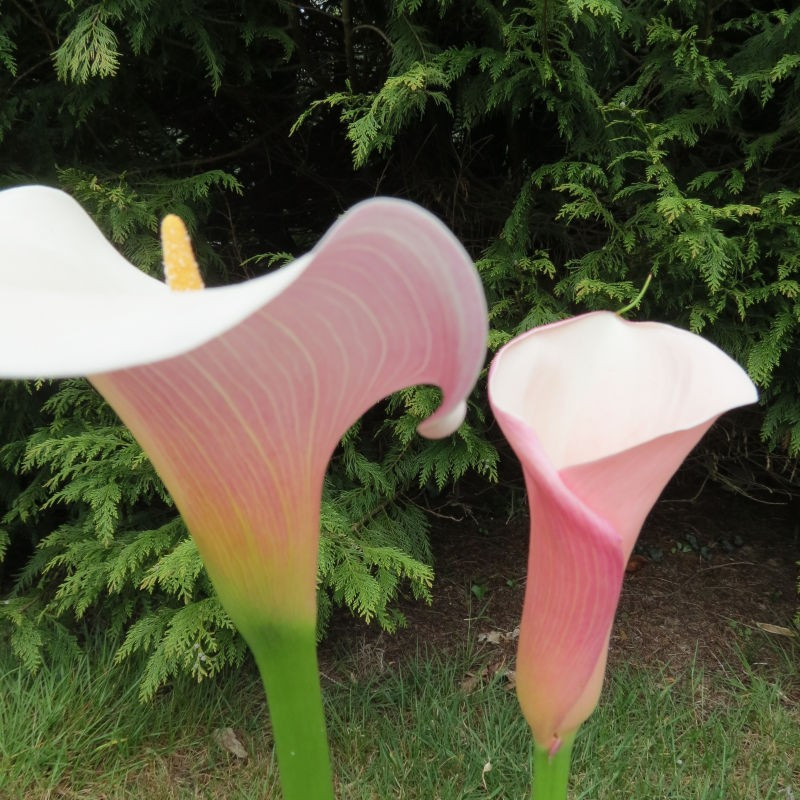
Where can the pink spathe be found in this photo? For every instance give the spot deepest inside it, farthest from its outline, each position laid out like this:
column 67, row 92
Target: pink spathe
column 600, row 412
column 239, row 395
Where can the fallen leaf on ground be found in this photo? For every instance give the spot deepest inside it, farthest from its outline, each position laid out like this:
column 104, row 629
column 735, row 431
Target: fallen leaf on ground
column 496, row 668
column 487, row 767
column 472, row 680
column 226, row 738
column 779, row 630
column 496, row 637
column 635, row 563
column 511, row 679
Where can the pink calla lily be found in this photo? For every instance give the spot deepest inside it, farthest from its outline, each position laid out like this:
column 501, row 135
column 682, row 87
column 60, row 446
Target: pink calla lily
column 240, row 394
column 601, row 412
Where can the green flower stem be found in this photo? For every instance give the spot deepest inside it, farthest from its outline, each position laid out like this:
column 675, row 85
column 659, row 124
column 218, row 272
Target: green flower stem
column 551, row 773
column 286, row 656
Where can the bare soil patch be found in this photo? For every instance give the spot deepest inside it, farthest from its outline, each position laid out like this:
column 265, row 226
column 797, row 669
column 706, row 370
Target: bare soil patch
column 710, row 571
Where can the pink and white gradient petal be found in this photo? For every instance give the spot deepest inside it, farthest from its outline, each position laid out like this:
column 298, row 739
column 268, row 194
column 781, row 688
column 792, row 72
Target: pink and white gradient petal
column 240, row 394
column 601, row 412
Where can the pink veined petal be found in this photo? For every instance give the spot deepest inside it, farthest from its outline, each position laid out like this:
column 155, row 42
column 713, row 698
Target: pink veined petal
column 241, row 428
column 575, row 566
column 601, row 412
column 623, row 488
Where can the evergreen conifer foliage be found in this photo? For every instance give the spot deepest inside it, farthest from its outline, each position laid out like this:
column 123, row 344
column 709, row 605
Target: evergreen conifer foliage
column 611, row 144
column 575, row 147
column 636, row 139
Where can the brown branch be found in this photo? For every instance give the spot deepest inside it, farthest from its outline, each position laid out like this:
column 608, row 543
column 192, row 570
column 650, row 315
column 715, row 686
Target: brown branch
column 347, row 30
column 196, row 162
column 38, row 21
column 375, row 29
column 23, row 75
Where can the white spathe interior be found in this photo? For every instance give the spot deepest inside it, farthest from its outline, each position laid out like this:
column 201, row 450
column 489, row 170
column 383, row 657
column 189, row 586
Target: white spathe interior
column 70, row 304
column 597, row 385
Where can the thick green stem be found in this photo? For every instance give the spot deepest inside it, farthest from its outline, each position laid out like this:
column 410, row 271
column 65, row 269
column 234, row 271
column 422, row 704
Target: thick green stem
column 287, row 660
column 551, row 773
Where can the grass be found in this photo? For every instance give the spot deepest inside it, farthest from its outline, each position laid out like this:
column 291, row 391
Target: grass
column 76, row 730
column 712, row 737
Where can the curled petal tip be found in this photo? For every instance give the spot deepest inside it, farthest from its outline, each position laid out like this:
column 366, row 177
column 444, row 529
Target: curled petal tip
column 438, row 425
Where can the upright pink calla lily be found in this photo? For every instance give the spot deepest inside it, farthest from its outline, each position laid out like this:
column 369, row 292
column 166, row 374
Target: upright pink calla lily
column 601, row 412
column 240, row 394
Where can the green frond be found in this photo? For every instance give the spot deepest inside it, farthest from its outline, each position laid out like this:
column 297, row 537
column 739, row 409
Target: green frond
column 765, row 355
column 176, row 572
column 7, row 49
column 90, row 48
column 143, row 548
column 27, row 639
column 198, row 638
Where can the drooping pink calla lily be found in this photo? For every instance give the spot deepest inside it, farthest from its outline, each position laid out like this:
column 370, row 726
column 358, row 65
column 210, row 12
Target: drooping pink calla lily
column 601, row 412
column 240, row 394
